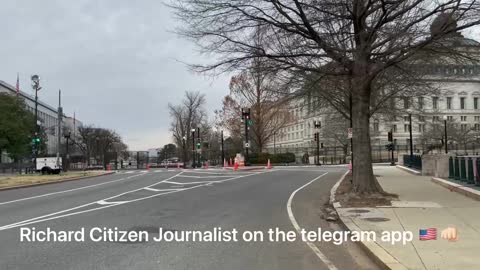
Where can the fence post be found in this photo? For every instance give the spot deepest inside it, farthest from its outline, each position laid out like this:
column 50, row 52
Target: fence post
column 477, row 177
column 470, row 178
column 451, row 169
column 463, row 170
column 457, row 169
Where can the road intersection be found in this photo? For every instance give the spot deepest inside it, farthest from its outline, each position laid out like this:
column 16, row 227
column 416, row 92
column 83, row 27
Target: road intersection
column 176, row 200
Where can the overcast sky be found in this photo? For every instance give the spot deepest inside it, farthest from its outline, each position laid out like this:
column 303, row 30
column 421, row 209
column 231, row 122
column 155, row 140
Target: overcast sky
column 115, row 60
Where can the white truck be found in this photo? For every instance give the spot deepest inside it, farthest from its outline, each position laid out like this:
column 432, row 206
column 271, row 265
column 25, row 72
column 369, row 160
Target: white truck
column 49, row 165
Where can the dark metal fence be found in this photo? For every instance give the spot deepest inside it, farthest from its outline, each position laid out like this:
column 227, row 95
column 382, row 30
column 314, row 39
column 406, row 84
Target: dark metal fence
column 414, row 161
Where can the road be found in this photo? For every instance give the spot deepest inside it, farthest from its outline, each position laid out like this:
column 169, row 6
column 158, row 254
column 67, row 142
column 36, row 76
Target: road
column 201, row 200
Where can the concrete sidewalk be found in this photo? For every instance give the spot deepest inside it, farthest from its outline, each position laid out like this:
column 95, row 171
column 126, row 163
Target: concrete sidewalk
column 421, row 205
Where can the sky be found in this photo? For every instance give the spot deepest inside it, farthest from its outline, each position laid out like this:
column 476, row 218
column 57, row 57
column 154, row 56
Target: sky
column 117, row 62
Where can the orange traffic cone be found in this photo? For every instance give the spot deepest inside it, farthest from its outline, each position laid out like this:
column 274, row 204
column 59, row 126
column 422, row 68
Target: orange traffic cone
column 109, row 167
column 225, row 163
column 206, row 165
column 231, row 164
column 269, row 166
column 148, row 167
column 236, row 166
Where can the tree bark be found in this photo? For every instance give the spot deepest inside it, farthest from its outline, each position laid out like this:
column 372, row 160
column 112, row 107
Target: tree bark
column 364, row 181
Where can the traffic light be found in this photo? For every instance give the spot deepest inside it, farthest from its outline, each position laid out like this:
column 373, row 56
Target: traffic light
column 199, row 145
column 390, row 136
column 35, row 140
column 390, row 147
column 317, row 137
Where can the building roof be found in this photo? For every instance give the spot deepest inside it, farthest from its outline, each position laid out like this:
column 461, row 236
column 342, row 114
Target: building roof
column 27, row 96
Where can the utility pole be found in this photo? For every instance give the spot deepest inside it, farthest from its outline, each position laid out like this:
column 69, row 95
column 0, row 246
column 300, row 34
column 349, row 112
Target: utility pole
column 246, row 120
column 36, row 86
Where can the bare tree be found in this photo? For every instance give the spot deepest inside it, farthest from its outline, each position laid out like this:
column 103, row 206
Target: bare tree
column 461, row 134
column 186, row 116
column 258, row 90
column 100, row 143
column 357, row 39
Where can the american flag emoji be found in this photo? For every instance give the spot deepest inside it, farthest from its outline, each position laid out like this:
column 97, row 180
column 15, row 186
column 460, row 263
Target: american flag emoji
column 428, row 234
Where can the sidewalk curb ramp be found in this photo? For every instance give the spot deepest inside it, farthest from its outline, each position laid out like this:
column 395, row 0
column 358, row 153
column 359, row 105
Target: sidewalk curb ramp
column 381, row 257
column 464, row 190
column 409, row 170
column 55, row 182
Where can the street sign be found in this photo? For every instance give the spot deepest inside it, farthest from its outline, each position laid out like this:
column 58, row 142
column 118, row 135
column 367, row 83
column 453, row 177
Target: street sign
column 350, row 133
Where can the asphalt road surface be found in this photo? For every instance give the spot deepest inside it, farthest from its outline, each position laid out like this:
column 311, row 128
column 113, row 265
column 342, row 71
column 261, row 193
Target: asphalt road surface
column 176, row 201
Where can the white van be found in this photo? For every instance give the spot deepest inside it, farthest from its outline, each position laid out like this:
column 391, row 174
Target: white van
column 49, row 165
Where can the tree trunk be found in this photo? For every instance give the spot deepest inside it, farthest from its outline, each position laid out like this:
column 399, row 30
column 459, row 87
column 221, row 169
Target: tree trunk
column 364, row 181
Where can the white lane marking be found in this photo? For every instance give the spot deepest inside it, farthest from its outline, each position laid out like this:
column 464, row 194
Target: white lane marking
column 103, row 202
column 68, row 190
column 160, row 190
column 52, row 215
column 129, row 172
column 34, row 220
column 315, row 249
column 201, row 177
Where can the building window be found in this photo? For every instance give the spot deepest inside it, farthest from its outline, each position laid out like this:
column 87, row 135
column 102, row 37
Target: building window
column 405, row 119
column 405, row 128
column 449, row 103
column 421, row 118
column 376, row 126
column 477, row 127
column 450, row 118
column 436, row 118
column 435, row 102
column 406, row 103
column 420, row 102
column 463, row 127
column 421, row 128
column 477, row 118
column 463, row 118
column 475, row 103
column 394, row 128
column 462, row 103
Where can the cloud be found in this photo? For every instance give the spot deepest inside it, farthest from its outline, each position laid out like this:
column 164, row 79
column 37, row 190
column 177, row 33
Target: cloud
column 117, row 62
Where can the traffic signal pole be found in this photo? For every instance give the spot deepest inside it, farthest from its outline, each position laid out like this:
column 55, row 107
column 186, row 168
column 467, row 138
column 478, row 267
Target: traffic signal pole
column 246, row 119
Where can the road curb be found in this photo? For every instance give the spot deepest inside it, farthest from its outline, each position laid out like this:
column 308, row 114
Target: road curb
column 412, row 171
column 464, row 190
column 55, row 182
column 372, row 249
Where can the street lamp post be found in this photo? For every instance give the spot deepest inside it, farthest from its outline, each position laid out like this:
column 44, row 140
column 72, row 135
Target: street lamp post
column 67, row 156
column 193, row 147
column 184, row 142
column 411, row 137
column 445, row 118
column 36, row 86
column 274, row 143
column 246, row 119
column 317, row 124
column 223, row 149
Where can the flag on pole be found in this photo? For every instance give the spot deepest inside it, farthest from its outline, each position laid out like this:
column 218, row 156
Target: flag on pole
column 17, row 86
